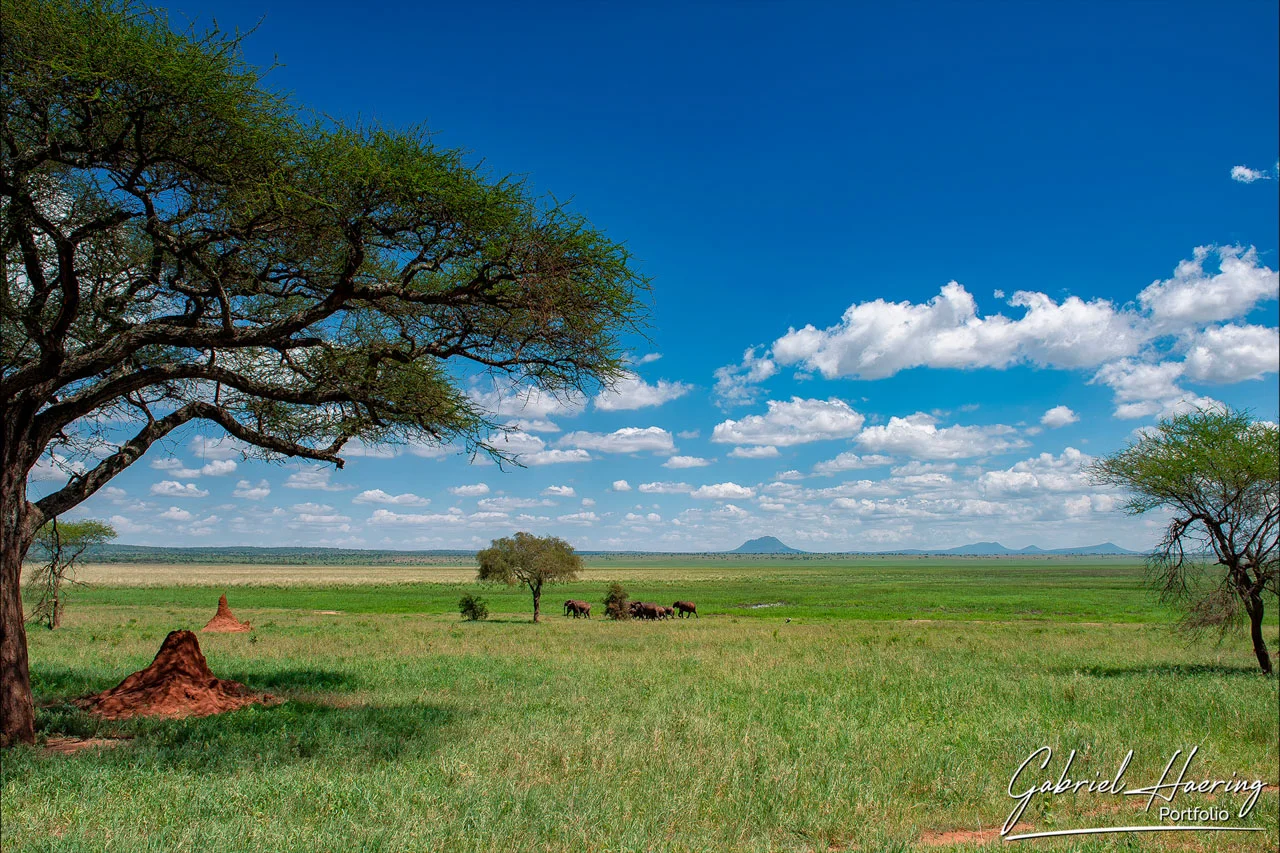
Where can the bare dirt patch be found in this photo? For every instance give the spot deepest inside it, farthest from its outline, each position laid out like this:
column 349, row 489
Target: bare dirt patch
column 967, row 837
column 70, row 745
column 178, row 683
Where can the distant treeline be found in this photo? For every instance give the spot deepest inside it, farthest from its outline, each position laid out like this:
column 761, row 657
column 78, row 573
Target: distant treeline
column 244, row 554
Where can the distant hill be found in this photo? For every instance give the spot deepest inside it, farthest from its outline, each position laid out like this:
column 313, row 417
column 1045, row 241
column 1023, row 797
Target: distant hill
column 992, row 549
column 765, row 545
column 301, row 556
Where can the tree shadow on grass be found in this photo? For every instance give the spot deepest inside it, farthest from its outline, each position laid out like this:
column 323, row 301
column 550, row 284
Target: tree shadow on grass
column 258, row 736
column 1175, row 669
column 305, row 679
column 57, row 684
column 338, row 729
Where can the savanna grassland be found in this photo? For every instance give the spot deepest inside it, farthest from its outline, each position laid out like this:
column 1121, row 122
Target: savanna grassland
column 891, row 709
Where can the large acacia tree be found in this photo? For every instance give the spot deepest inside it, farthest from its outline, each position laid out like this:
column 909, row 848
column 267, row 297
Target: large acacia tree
column 1217, row 472
column 181, row 244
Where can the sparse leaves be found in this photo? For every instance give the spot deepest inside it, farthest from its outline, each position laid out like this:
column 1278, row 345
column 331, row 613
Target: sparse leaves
column 62, row 545
column 1218, row 473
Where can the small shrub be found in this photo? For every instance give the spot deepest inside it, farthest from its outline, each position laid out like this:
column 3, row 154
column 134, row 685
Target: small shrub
column 473, row 608
column 615, row 602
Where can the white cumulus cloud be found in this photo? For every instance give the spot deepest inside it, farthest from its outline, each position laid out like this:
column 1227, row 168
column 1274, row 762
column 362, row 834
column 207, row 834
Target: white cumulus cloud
column 586, row 517
column 919, row 437
column 471, row 491
column 625, row 440
column 526, row 406
column 666, row 488
column 1245, row 175
column 723, row 491
column 877, row 339
column 632, row 392
column 1195, row 296
column 686, row 462
column 763, row 451
column 850, row 461
column 313, row 478
column 736, row 383
column 797, row 421
column 1058, row 416
column 248, row 491
column 174, row 489
column 378, row 496
column 1233, row 353
column 552, row 457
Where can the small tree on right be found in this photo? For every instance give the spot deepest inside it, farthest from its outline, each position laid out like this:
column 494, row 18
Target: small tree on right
column 1218, row 472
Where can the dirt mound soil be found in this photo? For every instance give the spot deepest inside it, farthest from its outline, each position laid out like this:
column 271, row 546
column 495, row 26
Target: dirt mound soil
column 178, row 683
column 223, row 622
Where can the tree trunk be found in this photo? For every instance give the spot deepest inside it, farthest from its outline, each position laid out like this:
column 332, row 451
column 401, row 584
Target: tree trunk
column 1254, row 607
column 537, row 601
column 17, row 710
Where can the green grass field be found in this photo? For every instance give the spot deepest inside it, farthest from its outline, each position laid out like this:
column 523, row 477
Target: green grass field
column 891, row 709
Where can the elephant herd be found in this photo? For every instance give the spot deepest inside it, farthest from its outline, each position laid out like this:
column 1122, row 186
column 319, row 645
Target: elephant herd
column 638, row 609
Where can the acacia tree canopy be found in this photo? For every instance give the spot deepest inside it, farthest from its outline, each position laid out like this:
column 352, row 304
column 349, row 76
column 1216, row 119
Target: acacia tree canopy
column 182, row 244
column 529, row 560
column 1218, row 472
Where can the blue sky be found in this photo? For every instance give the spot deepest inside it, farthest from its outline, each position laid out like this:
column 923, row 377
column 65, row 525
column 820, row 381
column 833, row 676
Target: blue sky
column 912, row 266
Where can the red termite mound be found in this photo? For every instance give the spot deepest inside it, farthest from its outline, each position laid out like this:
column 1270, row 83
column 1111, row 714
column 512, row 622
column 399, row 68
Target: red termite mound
column 223, row 622
column 178, row 683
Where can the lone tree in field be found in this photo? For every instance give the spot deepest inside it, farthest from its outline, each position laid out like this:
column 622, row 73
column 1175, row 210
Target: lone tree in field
column 530, row 560
column 63, row 544
column 1219, row 474
column 181, row 245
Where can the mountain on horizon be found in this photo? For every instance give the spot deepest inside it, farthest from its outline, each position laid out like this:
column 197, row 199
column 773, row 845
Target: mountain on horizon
column 989, row 549
column 304, row 555
column 764, row 545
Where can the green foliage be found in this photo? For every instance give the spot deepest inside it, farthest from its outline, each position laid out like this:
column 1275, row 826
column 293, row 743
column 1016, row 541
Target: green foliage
column 473, row 608
column 178, row 244
column 528, row 559
column 62, row 544
column 297, row 281
column 1197, row 460
column 616, row 601
column 1217, row 471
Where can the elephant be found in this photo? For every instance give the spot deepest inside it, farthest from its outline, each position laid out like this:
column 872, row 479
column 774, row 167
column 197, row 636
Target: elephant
column 646, row 610
column 686, row 608
column 577, row 608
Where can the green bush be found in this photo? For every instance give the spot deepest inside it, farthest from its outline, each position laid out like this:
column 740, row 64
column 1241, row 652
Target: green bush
column 615, row 602
column 473, row 608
